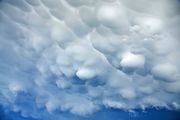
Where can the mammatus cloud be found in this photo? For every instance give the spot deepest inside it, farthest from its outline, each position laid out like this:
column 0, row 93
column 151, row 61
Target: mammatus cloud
column 78, row 56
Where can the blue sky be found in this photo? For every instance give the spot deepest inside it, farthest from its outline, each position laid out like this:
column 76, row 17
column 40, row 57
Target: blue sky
column 89, row 59
column 107, row 114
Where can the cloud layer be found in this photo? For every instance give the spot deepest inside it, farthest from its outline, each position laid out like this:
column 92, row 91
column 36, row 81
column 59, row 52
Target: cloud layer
column 78, row 56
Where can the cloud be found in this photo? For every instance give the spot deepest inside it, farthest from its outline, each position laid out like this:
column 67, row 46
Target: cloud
column 78, row 56
column 165, row 71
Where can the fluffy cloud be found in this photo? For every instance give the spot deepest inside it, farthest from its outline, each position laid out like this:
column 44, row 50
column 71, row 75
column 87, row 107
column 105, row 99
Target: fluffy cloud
column 78, row 56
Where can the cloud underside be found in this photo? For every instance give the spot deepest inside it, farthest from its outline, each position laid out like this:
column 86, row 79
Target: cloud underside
column 78, row 56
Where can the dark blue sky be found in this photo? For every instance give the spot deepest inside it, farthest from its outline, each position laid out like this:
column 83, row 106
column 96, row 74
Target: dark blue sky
column 105, row 114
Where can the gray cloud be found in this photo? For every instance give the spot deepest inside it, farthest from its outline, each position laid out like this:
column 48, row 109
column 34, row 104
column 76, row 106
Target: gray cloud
column 78, row 56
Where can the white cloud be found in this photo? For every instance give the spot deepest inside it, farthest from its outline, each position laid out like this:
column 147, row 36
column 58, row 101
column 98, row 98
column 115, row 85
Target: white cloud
column 113, row 16
column 130, row 60
column 79, row 55
column 166, row 72
column 85, row 73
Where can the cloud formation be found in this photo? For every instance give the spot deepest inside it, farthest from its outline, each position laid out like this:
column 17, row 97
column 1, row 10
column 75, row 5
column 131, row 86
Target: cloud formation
column 78, row 56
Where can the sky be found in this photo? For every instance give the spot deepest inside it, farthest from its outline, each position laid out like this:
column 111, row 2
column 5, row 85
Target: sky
column 89, row 59
column 105, row 114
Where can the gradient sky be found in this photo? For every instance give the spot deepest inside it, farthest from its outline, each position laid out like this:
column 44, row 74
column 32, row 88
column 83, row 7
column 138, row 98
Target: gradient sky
column 107, row 114
column 89, row 60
